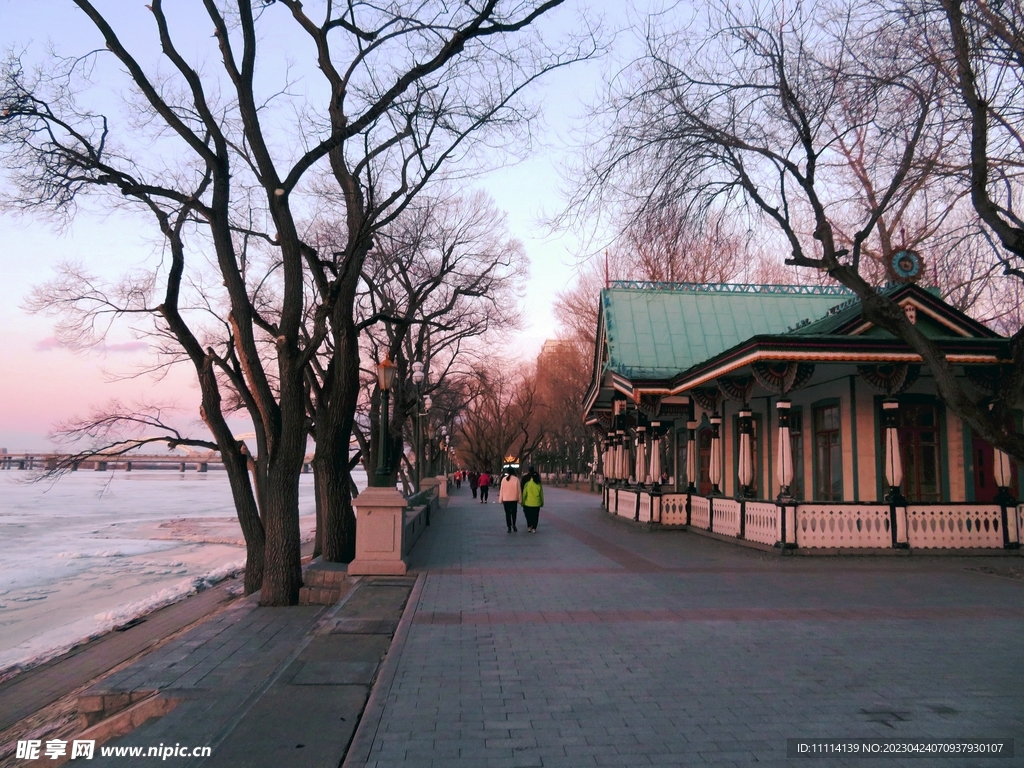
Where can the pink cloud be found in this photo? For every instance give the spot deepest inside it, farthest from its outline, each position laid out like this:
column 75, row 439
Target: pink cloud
column 51, row 343
column 48, row 344
column 127, row 346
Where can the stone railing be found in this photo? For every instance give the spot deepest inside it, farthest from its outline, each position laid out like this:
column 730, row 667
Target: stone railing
column 726, row 515
column 827, row 525
column 673, row 508
column 627, row 504
column 835, row 525
column 650, row 508
column 700, row 512
column 952, row 526
column 761, row 522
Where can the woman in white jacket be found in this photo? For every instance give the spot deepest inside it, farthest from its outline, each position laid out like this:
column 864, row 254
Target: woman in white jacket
column 508, row 494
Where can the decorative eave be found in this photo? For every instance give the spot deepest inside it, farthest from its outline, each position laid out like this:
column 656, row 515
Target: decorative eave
column 926, row 303
column 834, row 349
column 597, row 376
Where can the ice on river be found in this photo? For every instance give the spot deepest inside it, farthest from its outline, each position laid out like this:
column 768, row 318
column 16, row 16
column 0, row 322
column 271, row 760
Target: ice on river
column 95, row 549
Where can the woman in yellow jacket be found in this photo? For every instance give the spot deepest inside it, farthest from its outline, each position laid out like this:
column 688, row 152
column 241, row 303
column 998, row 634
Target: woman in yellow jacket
column 533, row 499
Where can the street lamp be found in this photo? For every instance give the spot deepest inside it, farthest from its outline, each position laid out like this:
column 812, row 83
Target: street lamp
column 427, row 403
column 444, row 448
column 385, row 379
column 417, row 379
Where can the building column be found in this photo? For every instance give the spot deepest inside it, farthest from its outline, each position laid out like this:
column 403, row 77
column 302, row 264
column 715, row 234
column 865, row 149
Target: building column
column 620, row 454
column 893, row 458
column 654, row 470
column 894, row 473
column 716, row 453
column 1001, row 471
column 784, row 454
column 640, row 456
column 745, row 470
column 691, row 455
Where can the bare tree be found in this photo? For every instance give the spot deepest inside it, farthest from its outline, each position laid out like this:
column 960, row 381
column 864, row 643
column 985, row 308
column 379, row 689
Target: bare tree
column 746, row 112
column 410, row 87
column 502, row 416
column 443, row 284
column 986, row 43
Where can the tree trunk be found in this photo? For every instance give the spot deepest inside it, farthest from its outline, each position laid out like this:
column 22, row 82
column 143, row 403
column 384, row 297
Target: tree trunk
column 318, row 536
column 338, row 536
column 334, row 430
column 282, row 574
column 282, row 560
column 237, row 466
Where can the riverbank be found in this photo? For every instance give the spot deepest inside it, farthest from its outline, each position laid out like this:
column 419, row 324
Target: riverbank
column 95, row 551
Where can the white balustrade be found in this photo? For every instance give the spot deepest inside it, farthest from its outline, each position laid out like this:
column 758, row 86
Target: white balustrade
column 673, row 509
column 955, row 525
column 700, row 512
column 645, row 507
column 762, row 522
column 627, row 504
column 727, row 517
column 843, row 525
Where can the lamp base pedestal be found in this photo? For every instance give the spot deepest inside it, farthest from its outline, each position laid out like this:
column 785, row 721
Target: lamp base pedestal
column 380, row 534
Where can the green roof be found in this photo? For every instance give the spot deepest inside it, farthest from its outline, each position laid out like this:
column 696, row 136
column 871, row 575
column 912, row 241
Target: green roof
column 654, row 331
column 840, row 316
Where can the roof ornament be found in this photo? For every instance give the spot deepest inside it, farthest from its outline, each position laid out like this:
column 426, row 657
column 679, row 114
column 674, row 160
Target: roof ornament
column 784, row 290
column 890, row 379
column 990, row 379
column 780, row 377
column 736, row 388
column 905, row 266
column 650, row 406
column 707, row 398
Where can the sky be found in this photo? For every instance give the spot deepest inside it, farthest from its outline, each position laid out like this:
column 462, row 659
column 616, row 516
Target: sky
column 43, row 384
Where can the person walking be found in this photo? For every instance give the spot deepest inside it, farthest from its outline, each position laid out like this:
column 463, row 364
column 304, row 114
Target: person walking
column 533, row 499
column 458, row 479
column 509, row 492
column 484, row 483
column 474, row 480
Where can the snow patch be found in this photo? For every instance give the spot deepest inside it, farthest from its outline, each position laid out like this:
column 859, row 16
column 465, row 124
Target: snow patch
column 49, row 645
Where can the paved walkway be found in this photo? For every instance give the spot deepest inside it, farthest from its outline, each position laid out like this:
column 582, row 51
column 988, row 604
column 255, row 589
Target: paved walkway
column 593, row 642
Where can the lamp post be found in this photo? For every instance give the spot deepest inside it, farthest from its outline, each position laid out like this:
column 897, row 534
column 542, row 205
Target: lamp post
column 417, row 380
column 428, row 454
column 385, row 379
column 445, row 447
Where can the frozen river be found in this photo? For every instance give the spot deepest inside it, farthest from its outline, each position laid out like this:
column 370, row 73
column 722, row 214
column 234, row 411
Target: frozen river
column 95, row 549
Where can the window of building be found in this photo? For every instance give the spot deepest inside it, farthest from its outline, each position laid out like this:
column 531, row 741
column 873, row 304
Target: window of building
column 704, row 462
column 681, row 446
column 828, row 454
column 919, row 443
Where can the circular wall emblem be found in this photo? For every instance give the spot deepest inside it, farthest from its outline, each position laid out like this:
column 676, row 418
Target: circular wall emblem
column 906, row 266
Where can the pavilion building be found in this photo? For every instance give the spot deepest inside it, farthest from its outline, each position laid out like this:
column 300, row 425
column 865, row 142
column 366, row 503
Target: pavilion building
column 779, row 415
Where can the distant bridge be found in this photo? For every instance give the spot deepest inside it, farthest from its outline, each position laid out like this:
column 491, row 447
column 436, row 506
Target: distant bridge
column 100, row 462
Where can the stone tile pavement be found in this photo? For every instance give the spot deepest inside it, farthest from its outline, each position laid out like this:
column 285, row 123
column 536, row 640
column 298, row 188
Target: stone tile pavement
column 264, row 686
column 597, row 643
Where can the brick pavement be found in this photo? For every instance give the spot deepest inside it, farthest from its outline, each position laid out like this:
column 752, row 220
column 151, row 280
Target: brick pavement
column 593, row 643
column 265, row 687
